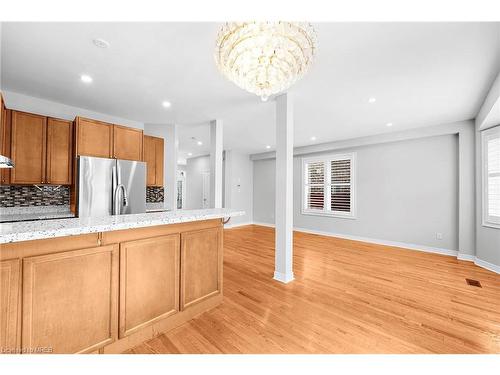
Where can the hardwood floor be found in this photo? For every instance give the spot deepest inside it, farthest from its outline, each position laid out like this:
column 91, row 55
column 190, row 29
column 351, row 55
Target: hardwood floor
column 348, row 297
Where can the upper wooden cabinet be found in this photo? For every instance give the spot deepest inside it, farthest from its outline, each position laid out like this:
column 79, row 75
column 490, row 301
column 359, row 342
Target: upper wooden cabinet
column 153, row 156
column 40, row 149
column 70, row 300
column 94, row 138
column 59, row 151
column 29, row 135
column 104, row 140
column 127, row 143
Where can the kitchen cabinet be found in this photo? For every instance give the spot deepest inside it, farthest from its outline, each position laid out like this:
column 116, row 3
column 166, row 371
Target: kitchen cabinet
column 153, row 156
column 5, row 128
column 41, row 149
column 70, row 300
column 201, row 265
column 28, row 144
column 149, row 281
column 94, row 138
column 108, row 291
column 127, row 143
column 59, row 151
column 104, row 140
column 10, row 309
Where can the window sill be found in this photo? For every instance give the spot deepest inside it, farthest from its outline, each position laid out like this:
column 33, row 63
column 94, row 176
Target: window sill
column 490, row 225
column 332, row 215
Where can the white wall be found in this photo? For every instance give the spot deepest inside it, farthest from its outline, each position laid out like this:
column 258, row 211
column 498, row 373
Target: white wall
column 407, row 191
column 21, row 102
column 194, row 181
column 238, row 186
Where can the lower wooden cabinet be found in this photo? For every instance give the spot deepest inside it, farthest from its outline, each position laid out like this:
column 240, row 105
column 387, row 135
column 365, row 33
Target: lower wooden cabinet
column 70, row 300
column 10, row 292
column 201, row 265
column 149, row 281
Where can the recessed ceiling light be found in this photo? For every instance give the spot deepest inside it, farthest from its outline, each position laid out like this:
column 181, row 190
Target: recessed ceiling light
column 199, row 143
column 389, row 124
column 190, row 154
column 101, row 43
column 86, row 78
column 313, row 138
column 268, row 147
column 372, row 100
column 166, row 104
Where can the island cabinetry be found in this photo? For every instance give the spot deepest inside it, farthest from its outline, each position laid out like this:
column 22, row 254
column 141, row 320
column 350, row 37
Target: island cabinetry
column 107, row 291
column 201, row 265
column 70, row 300
column 10, row 308
column 149, row 281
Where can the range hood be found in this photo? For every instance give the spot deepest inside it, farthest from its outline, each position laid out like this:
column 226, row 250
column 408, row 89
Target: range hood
column 5, row 162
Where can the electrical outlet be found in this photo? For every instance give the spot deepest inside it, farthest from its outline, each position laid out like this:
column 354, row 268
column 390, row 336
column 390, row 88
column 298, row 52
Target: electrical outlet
column 439, row 236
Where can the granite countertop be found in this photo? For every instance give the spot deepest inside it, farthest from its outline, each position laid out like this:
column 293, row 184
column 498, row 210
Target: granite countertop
column 11, row 214
column 36, row 230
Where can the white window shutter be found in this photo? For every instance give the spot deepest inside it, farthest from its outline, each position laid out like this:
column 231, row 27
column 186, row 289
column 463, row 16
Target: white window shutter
column 492, row 182
column 315, row 186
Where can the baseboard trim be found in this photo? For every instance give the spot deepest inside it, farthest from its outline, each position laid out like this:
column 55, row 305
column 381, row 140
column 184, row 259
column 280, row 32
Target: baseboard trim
column 427, row 249
column 229, row 226
column 487, row 265
column 263, row 224
column 423, row 248
column 466, row 257
column 283, row 277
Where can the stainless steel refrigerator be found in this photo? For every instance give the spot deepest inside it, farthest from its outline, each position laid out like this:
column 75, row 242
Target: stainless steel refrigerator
column 110, row 187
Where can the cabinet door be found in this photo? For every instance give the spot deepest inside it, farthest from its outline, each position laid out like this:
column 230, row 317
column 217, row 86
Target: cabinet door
column 127, row 143
column 94, row 138
column 201, row 265
column 70, row 300
column 159, row 142
column 59, row 151
column 5, row 128
column 150, row 159
column 10, row 288
column 28, row 148
column 149, row 281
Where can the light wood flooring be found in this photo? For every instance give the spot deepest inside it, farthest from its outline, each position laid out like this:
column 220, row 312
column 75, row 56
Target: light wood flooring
column 348, row 297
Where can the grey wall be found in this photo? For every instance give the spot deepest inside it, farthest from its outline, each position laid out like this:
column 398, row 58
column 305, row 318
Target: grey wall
column 407, row 191
column 21, row 102
column 194, row 180
column 238, row 186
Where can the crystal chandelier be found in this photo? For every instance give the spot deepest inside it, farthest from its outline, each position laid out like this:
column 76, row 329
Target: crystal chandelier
column 265, row 57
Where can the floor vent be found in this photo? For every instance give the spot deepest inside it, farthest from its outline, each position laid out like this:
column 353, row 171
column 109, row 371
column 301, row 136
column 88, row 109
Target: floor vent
column 473, row 283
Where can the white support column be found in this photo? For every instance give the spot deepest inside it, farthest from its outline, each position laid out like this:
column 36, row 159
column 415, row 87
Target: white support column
column 216, row 149
column 283, row 267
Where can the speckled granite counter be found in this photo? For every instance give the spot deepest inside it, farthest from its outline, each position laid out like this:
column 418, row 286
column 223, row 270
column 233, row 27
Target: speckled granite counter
column 11, row 214
column 36, row 230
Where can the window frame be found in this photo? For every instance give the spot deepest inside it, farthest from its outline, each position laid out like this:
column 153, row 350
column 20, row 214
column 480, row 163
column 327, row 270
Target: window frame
column 326, row 159
column 493, row 132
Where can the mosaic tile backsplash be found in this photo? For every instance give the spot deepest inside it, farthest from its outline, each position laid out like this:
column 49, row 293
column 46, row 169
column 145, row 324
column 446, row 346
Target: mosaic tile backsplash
column 30, row 196
column 154, row 194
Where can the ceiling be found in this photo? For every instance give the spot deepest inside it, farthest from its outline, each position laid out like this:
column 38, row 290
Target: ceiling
column 421, row 74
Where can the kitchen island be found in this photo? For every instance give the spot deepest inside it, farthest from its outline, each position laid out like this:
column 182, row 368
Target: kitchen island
column 103, row 285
